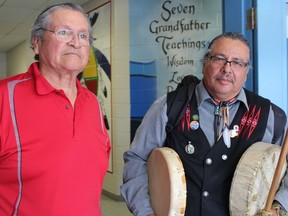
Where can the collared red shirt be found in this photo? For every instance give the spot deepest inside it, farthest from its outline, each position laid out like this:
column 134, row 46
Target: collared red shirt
column 53, row 156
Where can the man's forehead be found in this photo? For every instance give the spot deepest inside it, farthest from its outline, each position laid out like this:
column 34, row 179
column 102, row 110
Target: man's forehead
column 230, row 44
column 74, row 18
column 237, row 50
column 223, row 41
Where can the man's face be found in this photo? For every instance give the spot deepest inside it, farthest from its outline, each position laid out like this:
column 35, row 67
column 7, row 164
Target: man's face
column 225, row 82
column 63, row 56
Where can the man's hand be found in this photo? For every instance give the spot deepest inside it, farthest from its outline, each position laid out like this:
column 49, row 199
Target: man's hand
column 274, row 212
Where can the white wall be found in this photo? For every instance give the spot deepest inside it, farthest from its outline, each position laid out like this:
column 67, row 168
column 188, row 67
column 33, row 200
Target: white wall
column 120, row 75
column 19, row 59
column 3, row 67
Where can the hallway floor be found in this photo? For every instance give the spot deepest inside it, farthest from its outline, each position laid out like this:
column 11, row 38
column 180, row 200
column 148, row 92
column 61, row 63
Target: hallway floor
column 113, row 208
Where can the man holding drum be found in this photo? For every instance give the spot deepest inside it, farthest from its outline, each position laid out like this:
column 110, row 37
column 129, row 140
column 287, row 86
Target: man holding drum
column 221, row 120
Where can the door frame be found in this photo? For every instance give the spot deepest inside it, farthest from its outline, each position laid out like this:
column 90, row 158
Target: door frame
column 268, row 76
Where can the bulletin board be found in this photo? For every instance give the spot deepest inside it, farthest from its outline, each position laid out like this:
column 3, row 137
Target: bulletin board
column 97, row 74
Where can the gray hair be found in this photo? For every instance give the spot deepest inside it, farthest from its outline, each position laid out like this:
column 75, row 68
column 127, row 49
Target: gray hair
column 43, row 20
column 229, row 35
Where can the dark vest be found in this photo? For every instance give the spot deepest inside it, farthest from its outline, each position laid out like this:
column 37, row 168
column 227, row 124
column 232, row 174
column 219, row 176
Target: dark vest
column 209, row 170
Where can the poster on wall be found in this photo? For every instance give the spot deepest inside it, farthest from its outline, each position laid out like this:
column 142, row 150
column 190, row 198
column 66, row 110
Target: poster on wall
column 168, row 39
column 97, row 74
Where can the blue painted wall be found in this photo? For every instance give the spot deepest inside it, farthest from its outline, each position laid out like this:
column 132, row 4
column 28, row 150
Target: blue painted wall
column 268, row 41
column 272, row 51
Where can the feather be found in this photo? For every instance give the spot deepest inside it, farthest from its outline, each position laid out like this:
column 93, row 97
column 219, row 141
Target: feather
column 226, row 137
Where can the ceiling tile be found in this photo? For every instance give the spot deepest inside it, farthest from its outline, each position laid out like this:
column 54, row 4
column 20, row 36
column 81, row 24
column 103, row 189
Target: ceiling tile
column 10, row 42
column 34, row 4
column 17, row 18
column 23, row 29
column 11, row 15
column 7, row 27
column 11, row 38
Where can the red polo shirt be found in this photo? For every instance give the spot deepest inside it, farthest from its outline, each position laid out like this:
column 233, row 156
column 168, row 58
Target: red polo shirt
column 53, row 157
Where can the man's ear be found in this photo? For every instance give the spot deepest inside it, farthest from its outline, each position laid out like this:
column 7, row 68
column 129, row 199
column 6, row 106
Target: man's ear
column 36, row 43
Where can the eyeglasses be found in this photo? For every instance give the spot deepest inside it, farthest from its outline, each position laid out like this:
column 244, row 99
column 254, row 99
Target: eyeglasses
column 66, row 35
column 235, row 65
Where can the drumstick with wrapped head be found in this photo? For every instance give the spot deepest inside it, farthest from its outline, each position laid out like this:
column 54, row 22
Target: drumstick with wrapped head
column 276, row 178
